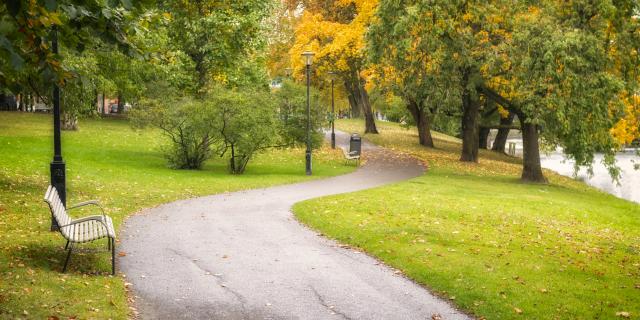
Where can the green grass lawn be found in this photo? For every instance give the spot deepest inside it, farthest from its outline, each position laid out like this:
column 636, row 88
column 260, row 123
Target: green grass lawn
column 496, row 247
column 124, row 169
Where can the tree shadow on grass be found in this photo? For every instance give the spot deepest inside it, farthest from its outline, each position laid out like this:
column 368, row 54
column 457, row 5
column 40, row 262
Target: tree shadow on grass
column 89, row 259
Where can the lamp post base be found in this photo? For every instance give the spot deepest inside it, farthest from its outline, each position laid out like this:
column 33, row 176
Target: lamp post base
column 308, row 158
column 333, row 140
column 58, row 180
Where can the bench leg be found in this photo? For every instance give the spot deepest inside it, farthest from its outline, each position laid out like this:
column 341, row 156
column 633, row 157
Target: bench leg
column 108, row 243
column 66, row 246
column 66, row 262
column 112, row 241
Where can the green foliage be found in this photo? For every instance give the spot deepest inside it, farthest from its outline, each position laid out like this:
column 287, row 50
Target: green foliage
column 391, row 106
column 447, row 124
column 215, row 35
column 247, row 123
column 190, row 125
column 292, row 105
column 562, row 65
column 233, row 123
column 561, row 68
column 79, row 94
column 25, row 41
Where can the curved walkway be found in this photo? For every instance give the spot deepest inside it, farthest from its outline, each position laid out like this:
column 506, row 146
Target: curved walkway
column 243, row 255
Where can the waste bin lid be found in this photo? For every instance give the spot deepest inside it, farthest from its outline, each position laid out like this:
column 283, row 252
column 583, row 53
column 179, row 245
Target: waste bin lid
column 355, row 136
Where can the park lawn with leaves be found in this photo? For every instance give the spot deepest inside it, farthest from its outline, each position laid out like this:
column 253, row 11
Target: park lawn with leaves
column 496, row 247
column 125, row 170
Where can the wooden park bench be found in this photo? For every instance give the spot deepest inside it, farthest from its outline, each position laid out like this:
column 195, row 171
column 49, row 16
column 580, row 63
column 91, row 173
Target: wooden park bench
column 81, row 230
column 351, row 156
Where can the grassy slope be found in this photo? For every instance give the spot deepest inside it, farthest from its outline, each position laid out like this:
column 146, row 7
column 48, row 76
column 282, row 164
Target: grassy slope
column 498, row 248
column 106, row 160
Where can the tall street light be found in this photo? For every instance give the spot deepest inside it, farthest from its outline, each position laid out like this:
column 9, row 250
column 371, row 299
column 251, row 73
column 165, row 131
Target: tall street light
column 332, row 75
column 57, row 167
column 308, row 60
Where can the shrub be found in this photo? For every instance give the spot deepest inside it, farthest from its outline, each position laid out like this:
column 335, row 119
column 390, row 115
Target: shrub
column 189, row 125
column 292, row 110
column 247, row 124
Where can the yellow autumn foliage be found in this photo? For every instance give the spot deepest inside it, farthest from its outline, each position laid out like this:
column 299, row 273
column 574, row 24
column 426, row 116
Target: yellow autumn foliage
column 628, row 128
column 337, row 46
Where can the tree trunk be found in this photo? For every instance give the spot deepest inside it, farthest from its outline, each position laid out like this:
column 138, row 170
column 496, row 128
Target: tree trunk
column 353, row 100
column 423, row 122
column 69, row 121
column 120, row 103
column 532, row 169
column 503, row 134
column 469, row 128
column 201, row 69
column 104, row 102
column 19, row 100
column 369, row 120
column 483, row 139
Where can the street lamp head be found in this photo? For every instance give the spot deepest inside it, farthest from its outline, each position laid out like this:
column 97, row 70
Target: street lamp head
column 308, row 57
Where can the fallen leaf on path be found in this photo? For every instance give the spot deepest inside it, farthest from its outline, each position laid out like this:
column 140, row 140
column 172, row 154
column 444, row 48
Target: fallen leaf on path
column 436, row 316
column 122, row 254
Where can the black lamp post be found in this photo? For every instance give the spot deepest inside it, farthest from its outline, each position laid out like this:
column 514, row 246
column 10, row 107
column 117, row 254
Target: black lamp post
column 57, row 166
column 308, row 59
column 333, row 112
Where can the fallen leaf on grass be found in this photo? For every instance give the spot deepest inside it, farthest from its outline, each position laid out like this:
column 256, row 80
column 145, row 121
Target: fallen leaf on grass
column 52, row 318
column 623, row 314
column 517, row 310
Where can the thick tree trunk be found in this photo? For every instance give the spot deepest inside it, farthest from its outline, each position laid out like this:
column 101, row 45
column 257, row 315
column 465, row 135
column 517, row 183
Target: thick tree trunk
column 369, row 119
column 355, row 107
column 483, row 139
column 120, row 103
column 354, row 100
column 503, row 134
column 469, row 128
column 69, row 121
column 423, row 122
column 532, row 169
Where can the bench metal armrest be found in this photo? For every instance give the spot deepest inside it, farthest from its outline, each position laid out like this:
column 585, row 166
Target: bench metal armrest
column 86, row 203
column 102, row 218
column 99, row 218
column 83, row 219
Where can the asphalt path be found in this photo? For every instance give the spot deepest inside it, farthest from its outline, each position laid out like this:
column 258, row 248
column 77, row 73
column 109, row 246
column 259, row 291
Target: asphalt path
column 243, row 255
